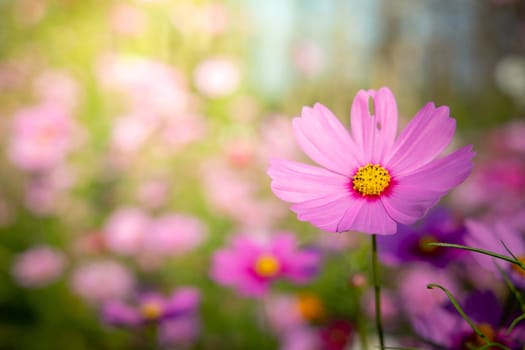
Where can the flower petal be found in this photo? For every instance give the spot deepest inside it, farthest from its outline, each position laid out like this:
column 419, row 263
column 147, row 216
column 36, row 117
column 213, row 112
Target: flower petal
column 424, row 138
column 406, row 203
column 367, row 216
column 444, row 173
column 374, row 134
column 325, row 212
column 296, row 182
column 413, row 195
column 325, row 140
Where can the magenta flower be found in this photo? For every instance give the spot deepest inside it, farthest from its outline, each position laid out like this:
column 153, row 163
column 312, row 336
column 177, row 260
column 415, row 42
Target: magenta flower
column 41, row 137
column 369, row 180
column 251, row 265
column 498, row 237
column 38, row 266
column 152, row 307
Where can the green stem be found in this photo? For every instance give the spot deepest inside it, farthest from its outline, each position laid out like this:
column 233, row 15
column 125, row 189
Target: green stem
column 482, row 251
column 377, row 292
column 460, row 311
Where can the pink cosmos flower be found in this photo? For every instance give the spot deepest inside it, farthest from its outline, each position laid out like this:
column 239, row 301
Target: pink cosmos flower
column 125, row 230
column 368, row 180
column 101, row 281
column 41, row 137
column 217, row 77
column 174, row 234
column 251, row 265
column 38, row 266
column 497, row 237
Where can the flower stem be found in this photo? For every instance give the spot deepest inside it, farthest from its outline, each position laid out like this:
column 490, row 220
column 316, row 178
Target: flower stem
column 377, row 292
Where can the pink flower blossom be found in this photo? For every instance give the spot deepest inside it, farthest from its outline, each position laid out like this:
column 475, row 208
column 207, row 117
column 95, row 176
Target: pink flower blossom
column 38, row 266
column 498, row 237
column 236, row 196
column 41, row 137
column 153, row 193
column 58, row 88
column 368, row 180
column 127, row 20
column 416, row 298
column 308, row 58
column 101, row 281
column 251, row 265
column 217, row 77
column 125, row 230
column 174, row 234
column 150, row 85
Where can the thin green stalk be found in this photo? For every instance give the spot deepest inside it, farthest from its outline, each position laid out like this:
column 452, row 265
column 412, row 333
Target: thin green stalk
column 460, row 311
column 514, row 323
column 377, row 292
column 482, row 251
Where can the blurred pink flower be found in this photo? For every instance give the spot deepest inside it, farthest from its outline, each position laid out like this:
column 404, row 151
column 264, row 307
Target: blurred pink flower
column 152, row 307
column 497, row 237
column 301, row 339
column 509, row 137
column 237, row 197
column 416, row 298
column 174, row 234
column 240, row 152
column 251, row 265
column 101, row 281
column 497, row 184
column 277, row 139
column 38, row 266
column 130, row 132
column 179, row 131
column 308, row 58
column 45, row 192
column 389, row 307
column 217, row 77
column 150, row 85
column 41, row 137
column 210, row 19
column 125, row 230
column 153, row 193
column 368, row 180
column 283, row 321
column 127, row 20
column 57, row 88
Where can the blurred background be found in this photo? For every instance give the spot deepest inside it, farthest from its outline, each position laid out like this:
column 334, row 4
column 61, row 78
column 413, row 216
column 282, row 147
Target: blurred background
column 135, row 138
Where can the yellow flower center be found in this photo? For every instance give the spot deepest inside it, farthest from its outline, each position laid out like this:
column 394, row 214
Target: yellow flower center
column 518, row 268
column 151, row 310
column 310, row 307
column 371, row 180
column 267, row 266
column 423, row 244
column 474, row 341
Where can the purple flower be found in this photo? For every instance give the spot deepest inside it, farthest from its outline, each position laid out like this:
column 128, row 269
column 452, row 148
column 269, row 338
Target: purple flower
column 495, row 237
column 369, row 181
column 445, row 327
column 152, row 307
column 411, row 242
column 251, row 265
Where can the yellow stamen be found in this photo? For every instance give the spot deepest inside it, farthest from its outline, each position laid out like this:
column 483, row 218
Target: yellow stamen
column 518, row 268
column 310, row 307
column 151, row 310
column 267, row 266
column 371, row 180
column 423, row 244
column 487, row 331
